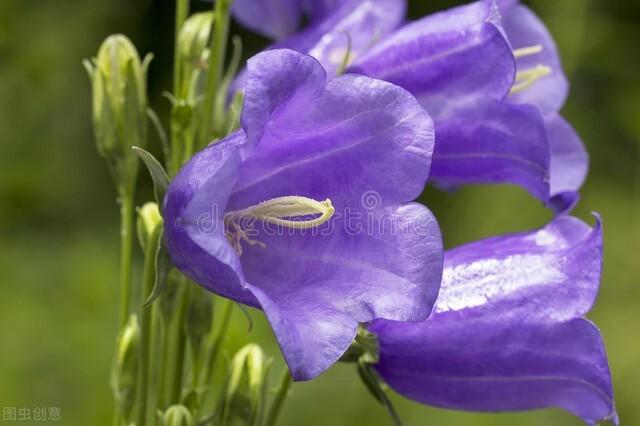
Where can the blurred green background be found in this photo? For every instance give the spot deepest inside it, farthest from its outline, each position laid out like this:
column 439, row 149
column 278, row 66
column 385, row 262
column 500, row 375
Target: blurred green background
column 58, row 216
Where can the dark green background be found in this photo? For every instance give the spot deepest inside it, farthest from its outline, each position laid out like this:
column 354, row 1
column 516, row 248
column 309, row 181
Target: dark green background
column 58, row 217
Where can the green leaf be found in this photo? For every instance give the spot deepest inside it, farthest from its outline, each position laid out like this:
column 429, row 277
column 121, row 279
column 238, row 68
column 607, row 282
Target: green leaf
column 162, row 134
column 163, row 267
column 247, row 315
column 157, row 172
column 375, row 386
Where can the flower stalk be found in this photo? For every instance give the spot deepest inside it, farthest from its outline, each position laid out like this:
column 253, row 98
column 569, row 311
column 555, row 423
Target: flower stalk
column 126, row 253
column 281, row 395
column 150, row 226
column 217, row 54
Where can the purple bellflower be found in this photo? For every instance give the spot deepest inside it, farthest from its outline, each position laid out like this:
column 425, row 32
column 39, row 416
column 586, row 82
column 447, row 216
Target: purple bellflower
column 538, row 57
column 508, row 331
column 306, row 211
column 490, row 76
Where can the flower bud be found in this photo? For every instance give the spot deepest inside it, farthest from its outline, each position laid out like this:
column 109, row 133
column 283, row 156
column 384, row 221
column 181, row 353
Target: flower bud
column 118, row 80
column 125, row 369
column 247, row 381
column 193, row 42
column 178, row 415
column 149, row 219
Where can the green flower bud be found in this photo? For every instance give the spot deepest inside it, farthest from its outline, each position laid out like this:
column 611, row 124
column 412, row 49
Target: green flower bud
column 125, row 369
column 149, row 219
column 119, row 81
column 178, row 415
column 245, row 392
column 193, row 42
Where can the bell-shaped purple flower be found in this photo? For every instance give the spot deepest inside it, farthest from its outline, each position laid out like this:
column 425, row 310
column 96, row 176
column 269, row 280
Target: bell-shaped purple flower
column 470, row 66
column 508, row 331
column 305, row 213
column 487, row 72
column 545, row 85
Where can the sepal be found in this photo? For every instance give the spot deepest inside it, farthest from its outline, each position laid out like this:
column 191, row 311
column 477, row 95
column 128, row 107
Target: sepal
column 163, row 268
column 157, row 172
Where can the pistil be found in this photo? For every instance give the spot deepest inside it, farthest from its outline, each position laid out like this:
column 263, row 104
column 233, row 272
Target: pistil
column 295, row 212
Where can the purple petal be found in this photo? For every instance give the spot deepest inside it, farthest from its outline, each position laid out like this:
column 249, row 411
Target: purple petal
column 524, row 29
column 351, row 27
column 275, row 78
column 359, row 135
column 569, row 163
column 370, row 263
column 494, row 143
column 275, row 19
column 193, row 215
column 319, row 9
column 451, row 59
column 506, row 5
column 506, row 333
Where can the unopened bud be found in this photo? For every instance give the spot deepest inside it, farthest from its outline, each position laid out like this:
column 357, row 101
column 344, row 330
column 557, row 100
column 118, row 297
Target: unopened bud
column 249, row 369
column 149, row 219
column 193, row 42
column 118, row 79
column 125, row 369
column 178, row 415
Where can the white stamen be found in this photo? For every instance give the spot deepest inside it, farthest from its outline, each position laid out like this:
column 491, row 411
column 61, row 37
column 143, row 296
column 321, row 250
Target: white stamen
column 236, row 235
column 527, row 51
column 527, row 78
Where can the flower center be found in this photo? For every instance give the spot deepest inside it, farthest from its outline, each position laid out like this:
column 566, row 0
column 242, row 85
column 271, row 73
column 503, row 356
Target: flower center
column 294, row 212
column 528, row 77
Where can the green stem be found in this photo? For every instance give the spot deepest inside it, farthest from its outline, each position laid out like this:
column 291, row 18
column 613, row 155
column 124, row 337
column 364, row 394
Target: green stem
column 182, row 12
column 175, row 161
column 283, row 391
column 164, row 363
column 216, row 66
column 176, row 151
column 149, row 276
column 126, row 252
column 214, row 343
column 178, row 343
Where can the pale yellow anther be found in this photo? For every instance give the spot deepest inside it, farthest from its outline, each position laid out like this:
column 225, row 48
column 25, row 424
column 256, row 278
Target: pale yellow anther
column 527, row 51
column 527, row 78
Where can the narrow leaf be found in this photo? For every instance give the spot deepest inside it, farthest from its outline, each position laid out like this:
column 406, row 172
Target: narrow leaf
column 375, row 387
column 163, row 267
column 158, row 175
